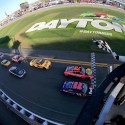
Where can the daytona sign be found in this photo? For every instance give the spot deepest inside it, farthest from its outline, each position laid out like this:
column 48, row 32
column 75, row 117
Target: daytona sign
column 82, row 23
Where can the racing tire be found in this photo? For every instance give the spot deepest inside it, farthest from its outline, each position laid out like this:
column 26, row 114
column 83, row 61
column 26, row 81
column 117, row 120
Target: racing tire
column 65, row 74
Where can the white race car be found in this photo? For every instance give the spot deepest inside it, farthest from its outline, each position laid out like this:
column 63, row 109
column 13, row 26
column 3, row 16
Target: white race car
column 17, row 71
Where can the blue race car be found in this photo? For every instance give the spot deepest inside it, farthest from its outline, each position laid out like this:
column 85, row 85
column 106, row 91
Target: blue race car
column 75, row 88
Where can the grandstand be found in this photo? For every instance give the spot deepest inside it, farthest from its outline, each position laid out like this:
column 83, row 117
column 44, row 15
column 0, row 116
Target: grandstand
column 26, row 8
column 117, row 3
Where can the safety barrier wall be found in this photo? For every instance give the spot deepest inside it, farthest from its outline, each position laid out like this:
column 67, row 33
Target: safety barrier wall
column 97, row 98
column 27, row 115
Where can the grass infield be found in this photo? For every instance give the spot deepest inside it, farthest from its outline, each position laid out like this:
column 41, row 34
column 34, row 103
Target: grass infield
column 69, row 39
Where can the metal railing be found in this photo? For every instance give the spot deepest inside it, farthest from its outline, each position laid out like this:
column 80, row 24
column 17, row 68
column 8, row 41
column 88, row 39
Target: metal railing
column 27, row 115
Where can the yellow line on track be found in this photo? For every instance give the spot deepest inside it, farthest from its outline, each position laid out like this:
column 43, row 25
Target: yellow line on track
column 67, row 61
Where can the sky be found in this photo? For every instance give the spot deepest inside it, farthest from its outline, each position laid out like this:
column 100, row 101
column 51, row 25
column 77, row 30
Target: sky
column 10, row 6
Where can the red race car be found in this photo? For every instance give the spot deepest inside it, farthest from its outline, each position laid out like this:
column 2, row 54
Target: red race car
column 78, row 71
column 18, row 58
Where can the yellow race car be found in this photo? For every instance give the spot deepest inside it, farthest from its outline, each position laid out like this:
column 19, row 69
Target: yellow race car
column 5, row 63
column 40, row 63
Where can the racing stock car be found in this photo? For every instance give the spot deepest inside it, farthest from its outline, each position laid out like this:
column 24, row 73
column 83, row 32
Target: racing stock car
column 78, row 71
column 40, row 63
column 5, row 63
column 17, row 71
column 76, row 88
column 18, row 58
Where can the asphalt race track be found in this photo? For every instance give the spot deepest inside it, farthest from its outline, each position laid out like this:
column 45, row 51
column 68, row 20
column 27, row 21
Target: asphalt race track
column 39, row 90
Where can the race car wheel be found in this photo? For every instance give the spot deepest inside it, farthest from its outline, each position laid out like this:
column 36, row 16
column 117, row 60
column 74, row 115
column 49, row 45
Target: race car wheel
column 79, row 94
column 66, row 75
column 31, row 65
column 44, row 68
